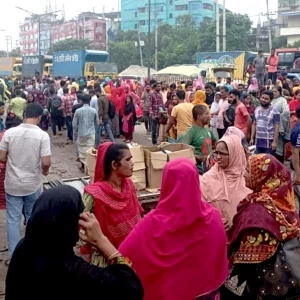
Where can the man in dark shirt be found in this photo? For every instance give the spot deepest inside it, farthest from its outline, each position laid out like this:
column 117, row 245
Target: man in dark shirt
column 155, row 104
column 210, row 95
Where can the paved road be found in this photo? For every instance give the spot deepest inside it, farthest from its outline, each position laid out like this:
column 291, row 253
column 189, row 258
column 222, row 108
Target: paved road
column 63, row 166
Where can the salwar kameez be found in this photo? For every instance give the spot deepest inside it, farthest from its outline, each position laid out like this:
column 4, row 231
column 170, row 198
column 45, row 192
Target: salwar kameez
column 115, row 126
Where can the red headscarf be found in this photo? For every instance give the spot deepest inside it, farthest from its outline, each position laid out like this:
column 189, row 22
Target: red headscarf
column 122, row 97
column 179, row 249
column 115, row 99
column 116, row 212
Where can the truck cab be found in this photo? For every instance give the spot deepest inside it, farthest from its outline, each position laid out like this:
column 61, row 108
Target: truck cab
column 47, row 70
column 17, row 70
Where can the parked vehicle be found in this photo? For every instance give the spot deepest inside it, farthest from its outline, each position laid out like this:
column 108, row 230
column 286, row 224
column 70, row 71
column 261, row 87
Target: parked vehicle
column 36, row 66
column 78, row 63
column 11, row 66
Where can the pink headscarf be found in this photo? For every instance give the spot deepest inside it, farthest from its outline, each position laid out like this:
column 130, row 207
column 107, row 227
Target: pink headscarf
column 199, row 82
column 226, row 188
column 254, row 85
column 235, row 131
column 179, row 249
column 187, row 97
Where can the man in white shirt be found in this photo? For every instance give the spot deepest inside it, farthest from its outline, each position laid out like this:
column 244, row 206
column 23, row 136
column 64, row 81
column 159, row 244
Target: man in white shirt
column 26, row 151
column 60, row 92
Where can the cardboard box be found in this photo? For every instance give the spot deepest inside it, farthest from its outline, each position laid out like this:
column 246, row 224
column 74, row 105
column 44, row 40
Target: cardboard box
column 139, row 168
column 156, row 160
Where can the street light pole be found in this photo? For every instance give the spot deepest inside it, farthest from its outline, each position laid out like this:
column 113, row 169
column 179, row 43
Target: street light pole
column 38, row 17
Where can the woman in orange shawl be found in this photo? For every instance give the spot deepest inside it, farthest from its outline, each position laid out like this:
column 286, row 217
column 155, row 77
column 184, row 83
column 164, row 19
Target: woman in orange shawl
column 265, row 222
column 107, row 90
column 200, row 98
column 112, row 198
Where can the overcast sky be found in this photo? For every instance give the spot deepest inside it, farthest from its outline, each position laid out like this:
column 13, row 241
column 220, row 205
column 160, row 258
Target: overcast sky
column 11, row 16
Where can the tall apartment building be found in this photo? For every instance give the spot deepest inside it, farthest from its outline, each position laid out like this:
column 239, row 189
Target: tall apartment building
column 289, row 20
column 89, row 25
column 135, row 13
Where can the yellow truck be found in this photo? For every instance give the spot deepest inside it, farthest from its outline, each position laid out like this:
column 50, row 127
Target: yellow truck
column 11, row 66
column 211, row 69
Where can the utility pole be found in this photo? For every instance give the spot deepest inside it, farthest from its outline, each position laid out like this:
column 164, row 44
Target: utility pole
column 38, row 18
column 224, row 25
column 217, row 26
column 140, row 46
column 258, row 33
column 156, row 31
column 8, row 40
column 149, row 37
column 270, row 26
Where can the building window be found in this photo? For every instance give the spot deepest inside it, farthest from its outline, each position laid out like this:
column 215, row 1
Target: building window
column 135, row 26
column 207, row 19
column 171, row 2
column 181, row 7
column 170, row 16
column 135, row 14
column 207, row 6
column 142, row 22
column 160, row 8
column 141, row 10
column 195, row 6
column 196, row 20
column 159, row 21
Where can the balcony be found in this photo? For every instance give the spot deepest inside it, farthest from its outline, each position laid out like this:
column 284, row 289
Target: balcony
column 287, row 5
column 290, row 31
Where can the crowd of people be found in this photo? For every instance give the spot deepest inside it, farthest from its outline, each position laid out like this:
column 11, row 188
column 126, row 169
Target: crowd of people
column 231, row 233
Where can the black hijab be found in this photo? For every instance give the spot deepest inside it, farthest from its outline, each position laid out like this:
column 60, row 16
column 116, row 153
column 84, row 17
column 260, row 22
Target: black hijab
column 129, row 108
column 44, row 266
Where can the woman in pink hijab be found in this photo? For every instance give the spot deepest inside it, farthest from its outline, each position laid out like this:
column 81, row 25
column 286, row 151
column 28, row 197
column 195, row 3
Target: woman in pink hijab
column 224, row 185
column 179, row 249
column 253, row 85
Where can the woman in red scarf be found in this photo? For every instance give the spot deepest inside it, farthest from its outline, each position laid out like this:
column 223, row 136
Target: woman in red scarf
column 179, row 249
column 122, row 99
column 115, row 99
column 112, row 198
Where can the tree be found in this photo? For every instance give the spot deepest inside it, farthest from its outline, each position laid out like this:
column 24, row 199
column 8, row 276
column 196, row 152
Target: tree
column 238, row 27
column 15, row 52
column 70, row 44
column 124, row 54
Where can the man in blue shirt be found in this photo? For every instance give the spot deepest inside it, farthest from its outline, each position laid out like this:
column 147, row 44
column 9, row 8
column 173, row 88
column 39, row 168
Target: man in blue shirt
column 295, row 141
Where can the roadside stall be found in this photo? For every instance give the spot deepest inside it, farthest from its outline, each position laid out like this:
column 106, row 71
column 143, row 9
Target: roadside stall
column 135, row 72
column 177, row 73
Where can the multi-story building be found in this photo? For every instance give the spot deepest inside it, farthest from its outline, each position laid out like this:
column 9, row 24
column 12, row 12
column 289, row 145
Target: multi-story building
column 29, row 37
column 135, row 13
column 91, row 26
column 63, row 31
column 289, row 20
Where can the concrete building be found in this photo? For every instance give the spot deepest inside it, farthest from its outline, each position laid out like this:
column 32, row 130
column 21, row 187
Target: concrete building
column 98, row 28
column 289, row 20
column 135, row 13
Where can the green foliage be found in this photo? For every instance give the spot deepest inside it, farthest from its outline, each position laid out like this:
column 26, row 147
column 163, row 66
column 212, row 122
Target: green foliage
column 70, row 44
column 124, row 54
column 179, row 44
column 14, row 53
column 238, row 27
column 295, row 45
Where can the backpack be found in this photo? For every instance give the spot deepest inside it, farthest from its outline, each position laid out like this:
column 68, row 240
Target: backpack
column 56, row 103
column 111, row 110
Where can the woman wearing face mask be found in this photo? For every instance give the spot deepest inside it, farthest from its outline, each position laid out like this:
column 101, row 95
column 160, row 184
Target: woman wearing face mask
column 224, row 184
column 44, row 266
column 112, row 197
